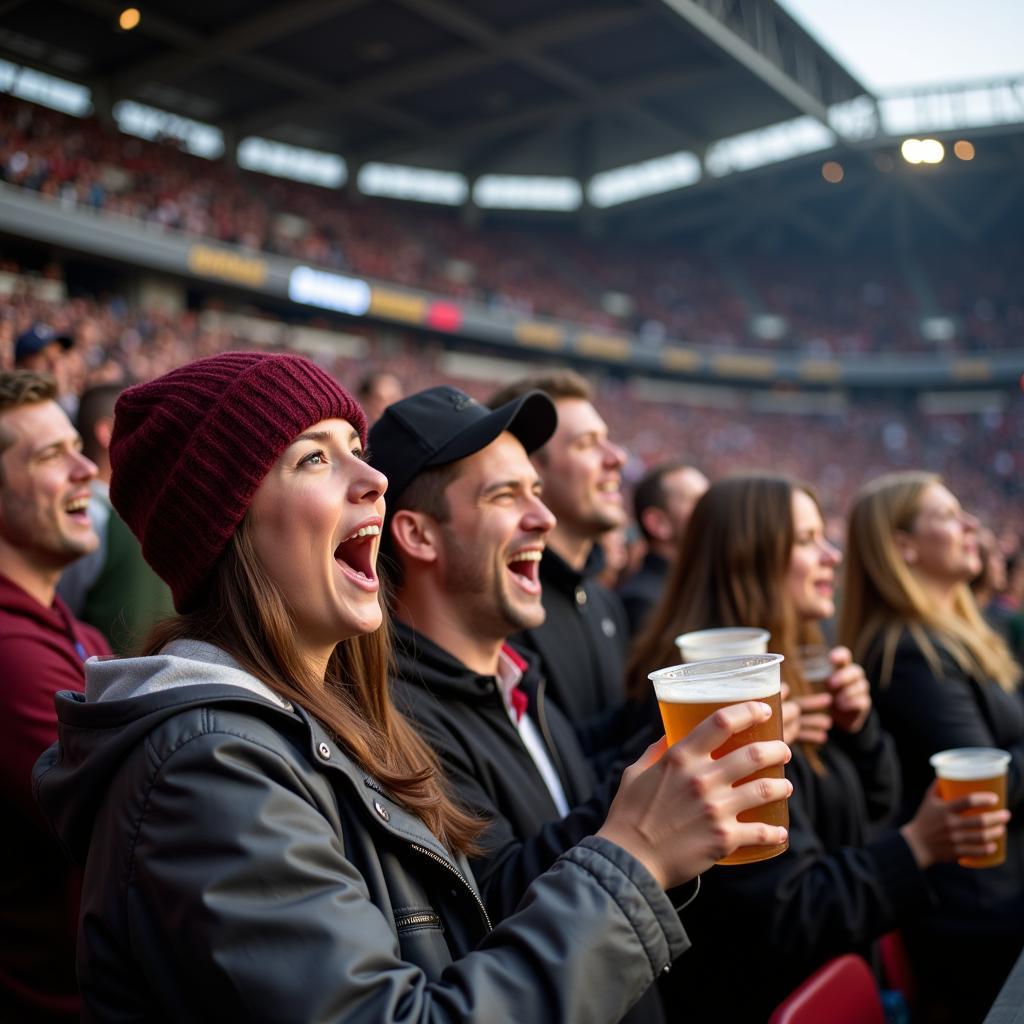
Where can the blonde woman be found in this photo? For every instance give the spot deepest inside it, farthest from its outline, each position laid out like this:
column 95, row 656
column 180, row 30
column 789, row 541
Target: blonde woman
column 942, row 678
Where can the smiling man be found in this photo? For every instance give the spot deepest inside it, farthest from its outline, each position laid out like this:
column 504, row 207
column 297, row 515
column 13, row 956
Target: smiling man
column 44, row 526
column 466, row 532
column 583, row 640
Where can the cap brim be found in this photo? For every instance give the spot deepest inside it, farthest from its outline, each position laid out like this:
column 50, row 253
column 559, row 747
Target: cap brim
column 531, row 418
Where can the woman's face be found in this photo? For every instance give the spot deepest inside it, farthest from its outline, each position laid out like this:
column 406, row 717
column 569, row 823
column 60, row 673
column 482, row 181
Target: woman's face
column 316, row 522
column 941, row 546
column 810, row 580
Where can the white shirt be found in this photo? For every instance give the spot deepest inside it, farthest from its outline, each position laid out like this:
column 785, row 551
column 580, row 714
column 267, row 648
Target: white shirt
column 509, row 675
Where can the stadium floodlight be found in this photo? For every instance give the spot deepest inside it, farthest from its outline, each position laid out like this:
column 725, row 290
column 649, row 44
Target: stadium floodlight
column 963, row 149
column 648, row 178
column 129, row 18
column 295, row 162
column 46, row 90
column 911, row 151
column 398, row 181
column 763, row 146
column 147, row 122
column 922, row 151
column 527, row 192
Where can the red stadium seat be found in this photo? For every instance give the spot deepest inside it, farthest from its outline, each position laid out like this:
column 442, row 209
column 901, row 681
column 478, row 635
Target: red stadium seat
column 841, row 992
column 896, row 970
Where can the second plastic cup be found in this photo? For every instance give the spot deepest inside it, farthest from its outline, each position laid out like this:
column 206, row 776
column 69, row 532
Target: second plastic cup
column 728, row 642
column 966, row 770
column 687, row 694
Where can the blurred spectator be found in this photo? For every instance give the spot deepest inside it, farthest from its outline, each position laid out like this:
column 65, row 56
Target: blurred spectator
column 44, row 490
column 662, row 503
column 377, row 390
column 111, row 588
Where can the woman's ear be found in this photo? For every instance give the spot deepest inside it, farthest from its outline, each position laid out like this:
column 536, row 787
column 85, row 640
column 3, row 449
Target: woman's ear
column 906, row 546
column 415, row 536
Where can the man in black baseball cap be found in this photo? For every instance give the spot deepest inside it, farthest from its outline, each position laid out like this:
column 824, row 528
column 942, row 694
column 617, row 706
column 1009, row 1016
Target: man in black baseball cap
column 465, row 532
column 40, row 348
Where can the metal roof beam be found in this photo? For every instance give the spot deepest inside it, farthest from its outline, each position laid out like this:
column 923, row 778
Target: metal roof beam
column 773, row 47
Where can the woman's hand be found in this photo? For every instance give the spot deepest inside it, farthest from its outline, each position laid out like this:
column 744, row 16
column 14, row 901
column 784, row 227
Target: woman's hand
column 851, row 694
column 676, row 808
column 940, row 831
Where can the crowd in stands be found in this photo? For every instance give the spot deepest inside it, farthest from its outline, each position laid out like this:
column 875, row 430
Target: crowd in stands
column 823, row 303
column 982, row 454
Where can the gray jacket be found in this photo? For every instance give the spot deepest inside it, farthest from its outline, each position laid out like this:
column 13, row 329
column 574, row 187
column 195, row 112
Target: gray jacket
column 239, row 865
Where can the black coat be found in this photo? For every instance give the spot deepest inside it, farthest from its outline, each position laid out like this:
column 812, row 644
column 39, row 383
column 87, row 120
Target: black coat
column 836, row 889
column 462, row 716
column 977, row 928
column 642, row 591
column 240, row 866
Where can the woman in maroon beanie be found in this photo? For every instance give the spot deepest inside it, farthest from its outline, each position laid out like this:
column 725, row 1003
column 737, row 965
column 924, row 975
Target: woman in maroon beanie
column 264, row 838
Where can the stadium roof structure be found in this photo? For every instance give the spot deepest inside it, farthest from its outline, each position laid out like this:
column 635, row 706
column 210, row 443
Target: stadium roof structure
column 634, row 115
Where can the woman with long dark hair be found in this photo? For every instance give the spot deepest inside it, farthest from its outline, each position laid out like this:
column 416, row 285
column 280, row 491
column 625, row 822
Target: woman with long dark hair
column 264, row 837
column 755, row 554
column 942, row 679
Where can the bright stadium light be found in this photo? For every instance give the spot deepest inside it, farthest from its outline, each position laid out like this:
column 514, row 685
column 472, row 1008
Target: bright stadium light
column 397, row 181
column 911, row 151
column 963, row 149
column 649, row 178
column 129, row 18
column 295, row 162
column 527, row 192
column 46, row 90
column 147, row 122
column 932, row 151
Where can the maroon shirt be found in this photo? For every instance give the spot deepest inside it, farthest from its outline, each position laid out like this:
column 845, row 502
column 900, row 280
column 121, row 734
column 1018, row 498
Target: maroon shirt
column 42, row 650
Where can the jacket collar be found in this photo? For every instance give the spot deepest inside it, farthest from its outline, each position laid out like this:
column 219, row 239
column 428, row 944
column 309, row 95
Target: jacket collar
column 557, row 573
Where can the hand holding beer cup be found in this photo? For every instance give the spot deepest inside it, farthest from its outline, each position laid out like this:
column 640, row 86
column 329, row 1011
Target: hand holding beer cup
column 687, row 694
column 969, row 780
column 680, row 808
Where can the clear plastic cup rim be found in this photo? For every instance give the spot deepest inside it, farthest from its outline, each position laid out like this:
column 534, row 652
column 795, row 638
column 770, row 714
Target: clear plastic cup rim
column 722, row 637
column 966, row 763
column 740, row 677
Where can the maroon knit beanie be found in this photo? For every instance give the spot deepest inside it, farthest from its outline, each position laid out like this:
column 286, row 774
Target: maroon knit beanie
column 190, row 448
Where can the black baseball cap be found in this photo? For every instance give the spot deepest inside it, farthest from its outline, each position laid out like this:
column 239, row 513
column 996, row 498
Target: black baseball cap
column 443, row 424
column 36, row 338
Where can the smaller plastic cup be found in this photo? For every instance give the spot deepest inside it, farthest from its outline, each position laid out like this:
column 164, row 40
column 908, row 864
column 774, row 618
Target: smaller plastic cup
column 816, row 666
column 966, row 770
column 729, row 642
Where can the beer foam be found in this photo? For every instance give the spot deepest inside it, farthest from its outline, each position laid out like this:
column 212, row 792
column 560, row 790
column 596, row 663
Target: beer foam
column 717, row 691
column 966, row 763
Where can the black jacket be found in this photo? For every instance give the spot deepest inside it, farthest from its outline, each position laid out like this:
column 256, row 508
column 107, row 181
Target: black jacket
column 642, row 591
column 977, row 927
column 239, row 866
column 582, row 646
column 835, row 890
column 463, row 717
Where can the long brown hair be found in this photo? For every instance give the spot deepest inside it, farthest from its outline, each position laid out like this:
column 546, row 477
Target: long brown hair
column 730, row 570
column 246, row 616
column 882, row 598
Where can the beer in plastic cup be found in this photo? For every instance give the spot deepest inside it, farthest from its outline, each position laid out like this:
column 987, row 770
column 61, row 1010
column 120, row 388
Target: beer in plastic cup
column 687, row 694
column 966, row 770
column 731, row 641
column 816, row 666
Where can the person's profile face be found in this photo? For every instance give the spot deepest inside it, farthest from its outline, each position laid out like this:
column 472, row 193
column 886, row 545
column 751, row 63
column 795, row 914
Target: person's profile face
column 942, row 542
column 810, row 579
column 44, row 487
column 315, row 525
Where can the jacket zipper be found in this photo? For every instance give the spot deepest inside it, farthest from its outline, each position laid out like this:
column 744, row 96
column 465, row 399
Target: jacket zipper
column 452, row 869
column 414, row 920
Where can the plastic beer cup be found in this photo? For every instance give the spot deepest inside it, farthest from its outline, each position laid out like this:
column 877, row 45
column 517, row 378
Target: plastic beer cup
column 731, row 641
column 816, row 666
column 687, row 694
column 966, row 770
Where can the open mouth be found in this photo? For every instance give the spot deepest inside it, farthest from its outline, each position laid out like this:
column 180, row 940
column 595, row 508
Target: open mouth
column 78, row 509
column 525, row 569
column 355, row 555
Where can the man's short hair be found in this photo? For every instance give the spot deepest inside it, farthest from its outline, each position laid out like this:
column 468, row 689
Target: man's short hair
column 96, row 404
column 650, row 491
column 556, row 384
column 22, row 387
